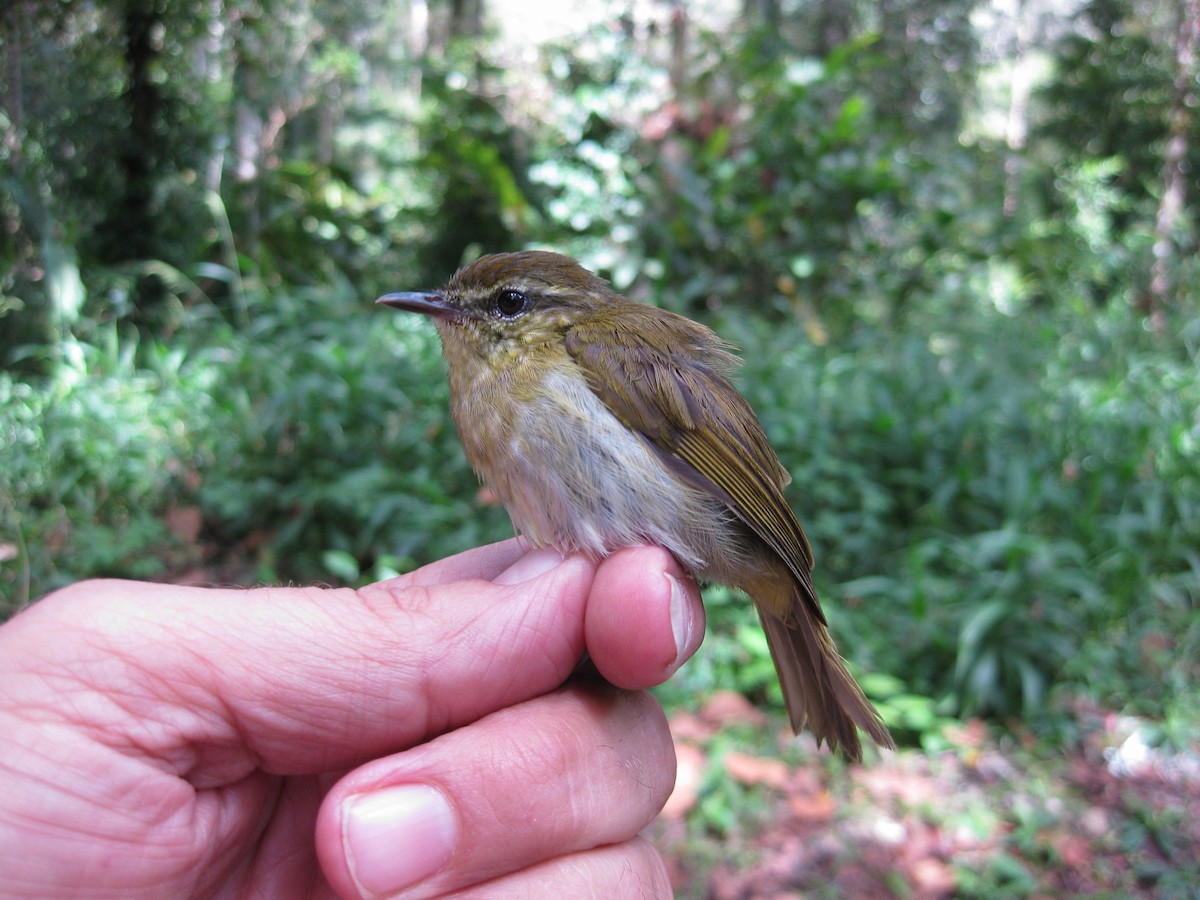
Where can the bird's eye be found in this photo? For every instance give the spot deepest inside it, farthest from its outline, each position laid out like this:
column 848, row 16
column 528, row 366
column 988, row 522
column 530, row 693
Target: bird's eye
column 510, row 304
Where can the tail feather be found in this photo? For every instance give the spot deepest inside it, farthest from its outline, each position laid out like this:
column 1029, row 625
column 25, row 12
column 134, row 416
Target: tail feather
column 818, row 689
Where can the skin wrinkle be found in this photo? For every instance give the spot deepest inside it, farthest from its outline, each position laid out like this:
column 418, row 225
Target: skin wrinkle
column 185, row 721
column 588, row 873
column 194, row 726
column 190, row 854
column 45, row 784
column 470, row 640
column 554, row 759
column 117, row 829
column 138, row 690
column 476, row 636
column 275, row 710
column 188, row 724
column 412, row 603
column 544, row 637
column 280, row 795
column 89, row 721
column 401, row 612
column 298, row 859
column 543, row 758
column 286, row 720
column 74, row 684
column 343, row 674
column 179, row 682
column 437, row 715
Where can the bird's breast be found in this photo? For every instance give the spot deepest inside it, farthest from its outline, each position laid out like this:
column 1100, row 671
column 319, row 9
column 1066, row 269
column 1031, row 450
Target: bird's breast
column 572, row 476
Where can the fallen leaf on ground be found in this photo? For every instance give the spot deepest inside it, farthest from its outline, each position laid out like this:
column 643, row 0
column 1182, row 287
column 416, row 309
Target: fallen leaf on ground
column 749, row 769
column 689, row 772
column 727, row 708
column 931, row 878
column 185, row 523
column 813, row 808
column 686, row 726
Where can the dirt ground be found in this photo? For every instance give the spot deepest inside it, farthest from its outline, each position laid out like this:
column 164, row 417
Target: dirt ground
column 991, row 816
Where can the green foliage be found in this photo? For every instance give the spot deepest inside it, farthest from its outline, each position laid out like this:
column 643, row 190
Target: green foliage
column 94, row 458
column 1082, row 251
column 996, row 464
column 337, row 440
column 318, row 438
column 995, row 510
column 765, row 209
column 473, row 158
column 1112, row 91
column 746, row 189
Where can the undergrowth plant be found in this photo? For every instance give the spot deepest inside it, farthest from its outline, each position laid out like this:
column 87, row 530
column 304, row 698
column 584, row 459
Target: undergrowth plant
column 999, row 506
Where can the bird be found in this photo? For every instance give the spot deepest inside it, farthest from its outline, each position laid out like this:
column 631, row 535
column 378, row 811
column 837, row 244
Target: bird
column 601, row 422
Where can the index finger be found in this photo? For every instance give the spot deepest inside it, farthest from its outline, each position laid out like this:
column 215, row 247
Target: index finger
column 219, row 682
column 485, row 562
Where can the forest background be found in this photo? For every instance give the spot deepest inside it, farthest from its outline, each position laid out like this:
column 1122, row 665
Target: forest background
column 955, row 240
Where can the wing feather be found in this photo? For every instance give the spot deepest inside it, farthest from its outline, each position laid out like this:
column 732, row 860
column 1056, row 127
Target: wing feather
column 663, row 376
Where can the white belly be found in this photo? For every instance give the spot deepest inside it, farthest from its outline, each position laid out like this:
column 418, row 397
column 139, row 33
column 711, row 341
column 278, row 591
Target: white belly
column 575, row 478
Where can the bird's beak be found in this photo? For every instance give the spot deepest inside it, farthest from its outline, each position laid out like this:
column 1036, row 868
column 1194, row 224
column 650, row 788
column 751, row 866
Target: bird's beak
column 413, row 301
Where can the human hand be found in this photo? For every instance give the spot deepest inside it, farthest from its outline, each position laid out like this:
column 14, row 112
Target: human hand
column 410, row 738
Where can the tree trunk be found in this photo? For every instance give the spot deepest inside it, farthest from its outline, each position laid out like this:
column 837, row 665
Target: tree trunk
column 835, row 24
column 466, row 18
column 13, row 27
column 679, row 38
column 418, row 43
column 246, row 142
column 1016, row 128
column 1171, row 200
column 763, row 13
column 131, row 224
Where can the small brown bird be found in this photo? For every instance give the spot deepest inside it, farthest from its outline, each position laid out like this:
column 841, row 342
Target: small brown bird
column 603, row 423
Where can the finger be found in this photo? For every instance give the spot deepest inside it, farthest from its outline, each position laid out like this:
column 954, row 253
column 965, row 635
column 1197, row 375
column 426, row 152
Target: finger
column 485, row 562
column 297, row 681
column 629, row 869
column 584, row 767
column 644, row 617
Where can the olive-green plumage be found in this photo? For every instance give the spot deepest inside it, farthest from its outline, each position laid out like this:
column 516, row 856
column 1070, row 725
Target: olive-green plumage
column 601, row 423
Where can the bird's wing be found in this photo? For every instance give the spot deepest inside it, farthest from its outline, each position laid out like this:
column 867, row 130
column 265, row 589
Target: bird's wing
column 663, row 376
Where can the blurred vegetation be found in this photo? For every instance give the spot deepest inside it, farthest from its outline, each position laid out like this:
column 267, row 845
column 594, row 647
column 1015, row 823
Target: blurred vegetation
column 958, row 250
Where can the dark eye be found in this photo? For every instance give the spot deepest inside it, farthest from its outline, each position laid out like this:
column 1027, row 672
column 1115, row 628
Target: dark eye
column 510, row 304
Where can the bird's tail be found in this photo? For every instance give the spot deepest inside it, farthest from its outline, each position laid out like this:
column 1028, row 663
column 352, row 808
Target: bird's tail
column 818, row 689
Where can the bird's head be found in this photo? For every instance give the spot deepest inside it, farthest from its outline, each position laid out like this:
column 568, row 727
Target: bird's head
column 508, row 305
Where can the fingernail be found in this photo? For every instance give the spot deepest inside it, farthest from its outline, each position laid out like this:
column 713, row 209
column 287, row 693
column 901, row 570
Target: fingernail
column 530, row 566
column 682, row 621
column 396, row 837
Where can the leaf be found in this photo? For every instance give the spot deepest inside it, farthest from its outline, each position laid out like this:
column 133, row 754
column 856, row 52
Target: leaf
column 342, row 565
column 978, row 625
